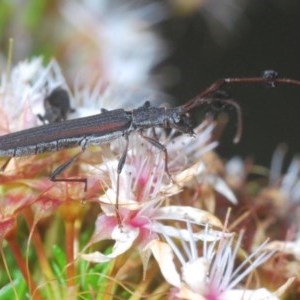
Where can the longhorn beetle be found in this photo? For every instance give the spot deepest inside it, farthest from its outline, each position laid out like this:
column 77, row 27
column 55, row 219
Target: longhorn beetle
column 110, row 125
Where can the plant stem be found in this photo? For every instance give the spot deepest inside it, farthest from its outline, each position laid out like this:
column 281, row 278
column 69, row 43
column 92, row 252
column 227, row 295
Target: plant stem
column 23, row 268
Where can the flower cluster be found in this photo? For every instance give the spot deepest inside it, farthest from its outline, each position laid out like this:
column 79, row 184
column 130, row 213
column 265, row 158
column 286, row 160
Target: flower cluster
column 169, row 206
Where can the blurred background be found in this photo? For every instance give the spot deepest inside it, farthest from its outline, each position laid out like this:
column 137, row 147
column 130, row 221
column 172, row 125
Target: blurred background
column 178, row 47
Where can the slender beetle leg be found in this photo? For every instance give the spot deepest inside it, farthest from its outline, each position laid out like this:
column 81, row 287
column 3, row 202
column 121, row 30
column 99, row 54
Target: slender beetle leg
column 3, row 167
column 162, row 148
column 119, row 170
column 63, row 167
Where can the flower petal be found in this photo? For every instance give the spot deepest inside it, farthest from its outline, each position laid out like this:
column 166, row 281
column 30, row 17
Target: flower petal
column 200, row 267
column 184, row 213
column 124, row 238
column 164, row 256
column 186, row 235
column 259, row 294
column 220, row 186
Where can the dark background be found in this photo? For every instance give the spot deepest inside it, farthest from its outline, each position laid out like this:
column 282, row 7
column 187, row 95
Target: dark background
column 271, row 40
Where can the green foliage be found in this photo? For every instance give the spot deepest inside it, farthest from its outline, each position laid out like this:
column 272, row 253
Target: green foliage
column 34, row 11
column 58, row 263
column 14, row 290
column 6, row 9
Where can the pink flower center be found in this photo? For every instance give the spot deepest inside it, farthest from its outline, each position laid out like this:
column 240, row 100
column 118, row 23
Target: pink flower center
column 138, row 222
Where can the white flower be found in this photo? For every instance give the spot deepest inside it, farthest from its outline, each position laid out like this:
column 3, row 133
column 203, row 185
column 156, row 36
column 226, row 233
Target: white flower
column 236, row 172
column 288, row 183
column 143, row 187
column 23, row 90
column 128, row 47
column 213, row 275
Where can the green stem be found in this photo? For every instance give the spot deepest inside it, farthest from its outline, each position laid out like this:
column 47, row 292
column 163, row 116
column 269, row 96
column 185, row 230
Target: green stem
column 23, row 268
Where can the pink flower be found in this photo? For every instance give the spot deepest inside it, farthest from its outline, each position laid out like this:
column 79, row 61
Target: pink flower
column 143, row 189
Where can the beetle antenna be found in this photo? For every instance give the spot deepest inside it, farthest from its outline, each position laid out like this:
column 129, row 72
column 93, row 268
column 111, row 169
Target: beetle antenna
column 269, row 78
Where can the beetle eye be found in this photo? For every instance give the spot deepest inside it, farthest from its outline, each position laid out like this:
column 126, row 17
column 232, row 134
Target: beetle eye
column 176, row 117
